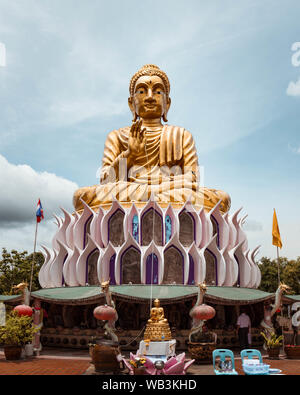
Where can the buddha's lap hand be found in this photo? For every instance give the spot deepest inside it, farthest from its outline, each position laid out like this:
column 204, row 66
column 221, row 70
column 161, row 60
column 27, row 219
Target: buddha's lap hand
column 137, row 139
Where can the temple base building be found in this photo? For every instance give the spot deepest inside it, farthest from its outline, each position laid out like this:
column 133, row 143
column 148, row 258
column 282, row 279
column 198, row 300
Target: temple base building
column 154, row 232
column 147, row 253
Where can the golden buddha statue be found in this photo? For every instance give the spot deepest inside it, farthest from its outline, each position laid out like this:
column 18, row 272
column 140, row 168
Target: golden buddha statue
column 157, row 313
column 157, row 328
column 149, row 158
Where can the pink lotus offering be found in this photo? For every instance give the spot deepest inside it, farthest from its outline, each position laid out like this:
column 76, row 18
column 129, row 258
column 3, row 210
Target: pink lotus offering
column 174, row 365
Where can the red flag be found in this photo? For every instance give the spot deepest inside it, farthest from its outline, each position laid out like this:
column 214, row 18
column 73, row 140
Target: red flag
column 39, row 212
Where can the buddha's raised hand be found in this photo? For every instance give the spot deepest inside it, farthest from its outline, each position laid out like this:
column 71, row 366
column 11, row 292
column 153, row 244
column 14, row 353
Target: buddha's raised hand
column 137, row 139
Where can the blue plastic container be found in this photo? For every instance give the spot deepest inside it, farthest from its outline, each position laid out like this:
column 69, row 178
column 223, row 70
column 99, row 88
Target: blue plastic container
column 261, row 369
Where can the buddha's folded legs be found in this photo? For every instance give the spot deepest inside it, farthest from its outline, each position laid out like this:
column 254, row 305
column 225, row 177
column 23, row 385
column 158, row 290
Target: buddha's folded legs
column 164, row 193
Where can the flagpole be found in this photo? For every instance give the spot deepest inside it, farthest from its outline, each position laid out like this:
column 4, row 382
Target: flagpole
column 33, row 258
column 281, row 312
column 278, row 269
column 278, row 273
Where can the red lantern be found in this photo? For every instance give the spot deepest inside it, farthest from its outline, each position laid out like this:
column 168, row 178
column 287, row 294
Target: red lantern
column 204, row 312
column 23, row 309
column 104, row 313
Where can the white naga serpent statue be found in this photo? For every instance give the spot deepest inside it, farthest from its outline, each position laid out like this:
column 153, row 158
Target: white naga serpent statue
column 110, row 325
column 266, row 323
column 23, row 287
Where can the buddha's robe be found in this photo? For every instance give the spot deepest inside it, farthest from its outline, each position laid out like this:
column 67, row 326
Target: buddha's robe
column 168, row 169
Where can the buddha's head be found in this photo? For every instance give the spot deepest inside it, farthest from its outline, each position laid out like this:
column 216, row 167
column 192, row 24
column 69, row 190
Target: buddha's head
column 149, row 93
column 156, row 303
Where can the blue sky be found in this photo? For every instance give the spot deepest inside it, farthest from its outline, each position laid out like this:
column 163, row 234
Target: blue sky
column 65, row 86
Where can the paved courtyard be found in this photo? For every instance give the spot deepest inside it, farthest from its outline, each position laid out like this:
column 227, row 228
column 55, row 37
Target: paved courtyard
column 37, row 366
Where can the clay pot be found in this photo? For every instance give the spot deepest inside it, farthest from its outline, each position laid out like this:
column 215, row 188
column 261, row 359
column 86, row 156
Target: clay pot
column 292, row 352
column 202, row 352
column 273, row 353
column 12, row 352
column 104, row 357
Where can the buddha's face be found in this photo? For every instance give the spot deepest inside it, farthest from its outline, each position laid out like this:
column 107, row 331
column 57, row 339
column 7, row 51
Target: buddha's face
column 156, row 303
column 149, row 100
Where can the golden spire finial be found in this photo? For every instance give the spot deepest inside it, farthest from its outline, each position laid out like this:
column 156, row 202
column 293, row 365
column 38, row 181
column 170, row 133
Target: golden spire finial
column 149, row 66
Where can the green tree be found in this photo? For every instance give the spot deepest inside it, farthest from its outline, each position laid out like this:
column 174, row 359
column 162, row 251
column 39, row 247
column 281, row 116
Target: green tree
column 15, row 267
column 289, row 274
column 269, row 274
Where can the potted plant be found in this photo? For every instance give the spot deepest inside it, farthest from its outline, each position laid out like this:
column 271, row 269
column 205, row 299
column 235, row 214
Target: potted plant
column 201, row 345
column 273, row 344
column 292, row 351
column 17, row 332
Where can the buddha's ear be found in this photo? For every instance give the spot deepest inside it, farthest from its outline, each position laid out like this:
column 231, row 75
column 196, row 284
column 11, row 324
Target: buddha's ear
column 132, row 109
column 164, row 116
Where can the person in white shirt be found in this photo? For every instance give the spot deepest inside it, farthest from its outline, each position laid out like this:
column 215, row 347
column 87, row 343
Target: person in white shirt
column 243, row 328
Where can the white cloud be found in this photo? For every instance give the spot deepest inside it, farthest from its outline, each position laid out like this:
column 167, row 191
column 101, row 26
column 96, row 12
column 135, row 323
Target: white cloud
column 21, row 237
column 294, row 88
column 80, row 64
column 2, row 55
column 295, row 150
column 21, row 187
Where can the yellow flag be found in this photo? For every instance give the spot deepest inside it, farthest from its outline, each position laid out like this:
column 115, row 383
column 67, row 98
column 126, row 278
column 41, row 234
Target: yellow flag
column 276, row 241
